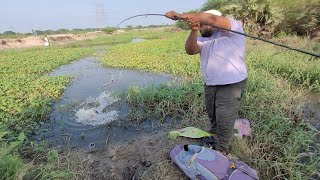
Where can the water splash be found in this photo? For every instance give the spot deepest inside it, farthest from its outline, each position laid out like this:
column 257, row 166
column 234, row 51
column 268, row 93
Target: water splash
column 98, row 114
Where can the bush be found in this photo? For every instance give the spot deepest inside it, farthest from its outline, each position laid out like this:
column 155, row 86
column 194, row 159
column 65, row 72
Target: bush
column 129, row 27
column 258, row 16
column 214, row 4
column 9, row 33
column 109, row 30
column 302, row 21
column 182, row 25
column 270, row 17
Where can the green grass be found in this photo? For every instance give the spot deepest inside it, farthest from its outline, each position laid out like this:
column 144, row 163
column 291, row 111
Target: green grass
column 124, row 37
column 10, row 162
column 280, row 138
column 26, row 94
column 298, row 68
column 160, row 55
column 23, row 84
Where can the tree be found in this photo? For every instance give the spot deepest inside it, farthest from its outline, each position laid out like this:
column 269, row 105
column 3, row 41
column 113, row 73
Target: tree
column 76, row 29
column 302, row 19
column 62, row 31
column 129, row 27
column 109, row 30
column 215, row 4
column 39, row 32
column 9, row 33
column 258, row 16
column 270, row 17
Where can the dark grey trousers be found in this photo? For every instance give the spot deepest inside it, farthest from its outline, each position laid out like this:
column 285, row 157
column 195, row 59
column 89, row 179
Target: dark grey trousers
column 222, row 105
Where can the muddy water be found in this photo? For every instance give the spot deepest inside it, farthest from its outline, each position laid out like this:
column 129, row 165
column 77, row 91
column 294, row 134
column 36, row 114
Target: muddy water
column 135, row 40
column 311, row 114
column 311, row 110
column 91, row 88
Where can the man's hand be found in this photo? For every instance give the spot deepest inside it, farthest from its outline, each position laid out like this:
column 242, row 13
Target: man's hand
column 193, row 22
column 191, row 19
column 173, row 15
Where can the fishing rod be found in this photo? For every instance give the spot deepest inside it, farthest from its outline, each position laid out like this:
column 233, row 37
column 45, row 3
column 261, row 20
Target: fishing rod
column 146, row 15
column 244, row 34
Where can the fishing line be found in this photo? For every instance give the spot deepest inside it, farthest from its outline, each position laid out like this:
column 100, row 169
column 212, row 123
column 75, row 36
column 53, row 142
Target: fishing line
column 244, row 34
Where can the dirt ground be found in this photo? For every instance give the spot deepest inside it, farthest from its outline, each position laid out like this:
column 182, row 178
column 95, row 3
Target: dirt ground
column 146, row 157
column 59, row 39
column 32, row 41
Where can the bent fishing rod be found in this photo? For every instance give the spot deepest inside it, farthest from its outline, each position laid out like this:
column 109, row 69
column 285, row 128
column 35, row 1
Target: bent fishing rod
column 244, row 34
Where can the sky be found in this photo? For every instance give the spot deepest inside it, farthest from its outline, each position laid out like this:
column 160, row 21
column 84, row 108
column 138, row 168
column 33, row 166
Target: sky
column 28, row 15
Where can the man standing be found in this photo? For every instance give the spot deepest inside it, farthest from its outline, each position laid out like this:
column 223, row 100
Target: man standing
column 223, row 68
column 46, row 43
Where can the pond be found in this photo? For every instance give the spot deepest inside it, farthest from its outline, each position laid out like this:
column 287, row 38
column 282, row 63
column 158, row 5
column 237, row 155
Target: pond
column 86, row 115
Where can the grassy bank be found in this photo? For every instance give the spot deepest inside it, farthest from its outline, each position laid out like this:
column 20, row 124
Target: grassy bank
column 26, row 94
column 298, row 68
column 123, row 37
column 280, row 139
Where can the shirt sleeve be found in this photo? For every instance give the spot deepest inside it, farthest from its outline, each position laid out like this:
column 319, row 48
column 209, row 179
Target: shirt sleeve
column 235, row 26
column 199, row 42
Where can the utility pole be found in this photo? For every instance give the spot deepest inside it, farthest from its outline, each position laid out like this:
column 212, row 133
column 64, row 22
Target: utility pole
column 100, row 15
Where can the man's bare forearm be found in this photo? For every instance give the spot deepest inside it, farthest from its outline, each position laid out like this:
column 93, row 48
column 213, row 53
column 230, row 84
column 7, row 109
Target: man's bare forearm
column 203, row 18
column 213, row 20
column 191, row 44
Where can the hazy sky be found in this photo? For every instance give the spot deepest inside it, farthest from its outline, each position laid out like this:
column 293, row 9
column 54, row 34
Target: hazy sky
column 25, row 15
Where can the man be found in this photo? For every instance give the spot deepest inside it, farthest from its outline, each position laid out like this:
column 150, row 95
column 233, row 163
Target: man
column 46, row 43
column 223, row 69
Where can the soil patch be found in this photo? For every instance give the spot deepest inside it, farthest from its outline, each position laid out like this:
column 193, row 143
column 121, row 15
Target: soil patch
column 146, row 157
